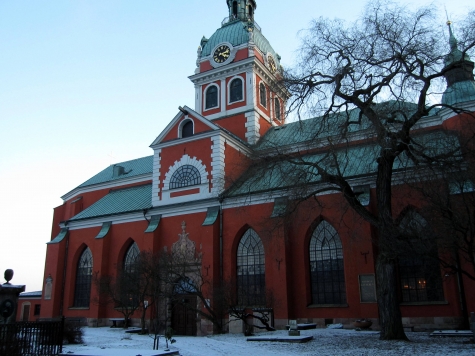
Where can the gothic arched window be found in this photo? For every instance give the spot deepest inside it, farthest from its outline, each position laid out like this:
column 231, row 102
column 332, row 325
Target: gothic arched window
column 82, row 291
column 263, row 95
column 235, row 90
column 131, row 258
column 251, row 270
column 185, row 176
column 278, row 112
column 187, row 129
column 419, row 274
column 211, row 97
column 326, row 266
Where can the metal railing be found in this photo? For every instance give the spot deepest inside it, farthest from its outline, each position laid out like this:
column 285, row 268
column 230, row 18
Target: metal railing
column 234, row 19
column 41, row 338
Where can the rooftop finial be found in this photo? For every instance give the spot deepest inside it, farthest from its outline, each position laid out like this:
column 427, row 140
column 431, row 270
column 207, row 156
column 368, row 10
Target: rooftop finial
column 452, row 40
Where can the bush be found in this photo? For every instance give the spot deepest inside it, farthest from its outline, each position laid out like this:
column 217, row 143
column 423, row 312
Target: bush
column 73, row 331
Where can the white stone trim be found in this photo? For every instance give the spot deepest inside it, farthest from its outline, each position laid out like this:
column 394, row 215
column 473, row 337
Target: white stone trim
column 156, row 177
column 198, row 98
column 182, row 123
column 204, row 97
column 204, row 186
column 244, row 94
column 252, row 126
column 223, row 97
column 217, row 164
column 185, row 159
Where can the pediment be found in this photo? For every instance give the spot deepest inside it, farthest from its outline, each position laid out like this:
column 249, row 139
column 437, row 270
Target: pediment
column 171, row 131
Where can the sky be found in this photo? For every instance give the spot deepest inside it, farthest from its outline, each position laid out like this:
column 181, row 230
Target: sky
column 87, row 83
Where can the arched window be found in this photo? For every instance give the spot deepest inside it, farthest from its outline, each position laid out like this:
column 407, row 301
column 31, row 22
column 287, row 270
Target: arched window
column 211, row 96
column 326, row 266
column 235, row 90
column 263, row 94
column 185, row 176
column 419, row 273
column 278, row 113
column 82, row 292
column 250, row 12
column 235, row 9
column 131, row 258
column 251, row 270
column 187, row 129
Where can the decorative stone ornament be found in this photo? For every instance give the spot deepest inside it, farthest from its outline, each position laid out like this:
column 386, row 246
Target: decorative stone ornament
column 8, row 275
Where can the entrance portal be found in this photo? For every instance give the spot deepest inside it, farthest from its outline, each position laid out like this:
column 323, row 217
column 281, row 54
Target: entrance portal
column 184, row 315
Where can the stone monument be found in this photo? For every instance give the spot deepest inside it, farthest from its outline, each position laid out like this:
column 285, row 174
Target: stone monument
column 9, row 299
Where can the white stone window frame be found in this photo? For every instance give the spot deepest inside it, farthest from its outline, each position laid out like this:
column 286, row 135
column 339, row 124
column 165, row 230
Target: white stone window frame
column 229, row 90
column 182, row 123
column 261, row 84
column 276, row 100
column 203, row 187
column 204, row 97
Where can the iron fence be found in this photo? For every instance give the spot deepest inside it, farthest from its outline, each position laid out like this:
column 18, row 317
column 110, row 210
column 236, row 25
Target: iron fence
column 41, row 338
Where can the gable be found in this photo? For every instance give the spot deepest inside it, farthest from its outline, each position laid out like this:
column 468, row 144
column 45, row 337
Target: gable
column 174, row 128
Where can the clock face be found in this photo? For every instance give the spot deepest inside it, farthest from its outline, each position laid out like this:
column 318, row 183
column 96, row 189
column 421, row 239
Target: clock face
column 272, row 65
column 221, row 54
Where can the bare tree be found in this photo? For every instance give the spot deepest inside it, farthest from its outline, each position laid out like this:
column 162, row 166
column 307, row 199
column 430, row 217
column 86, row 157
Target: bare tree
column 130, row 287
column 373, row 84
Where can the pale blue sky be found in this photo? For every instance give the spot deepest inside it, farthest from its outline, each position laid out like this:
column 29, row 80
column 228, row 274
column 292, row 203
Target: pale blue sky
column 87, row 83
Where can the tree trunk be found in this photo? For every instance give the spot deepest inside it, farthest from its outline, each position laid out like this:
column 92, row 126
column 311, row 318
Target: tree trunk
column 390, row 318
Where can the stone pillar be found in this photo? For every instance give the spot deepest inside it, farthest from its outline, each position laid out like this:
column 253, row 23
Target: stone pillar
column 9, row 299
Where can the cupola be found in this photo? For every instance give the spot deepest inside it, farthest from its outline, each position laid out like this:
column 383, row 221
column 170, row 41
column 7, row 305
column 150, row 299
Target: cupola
column 459, row 75
column 241, row 9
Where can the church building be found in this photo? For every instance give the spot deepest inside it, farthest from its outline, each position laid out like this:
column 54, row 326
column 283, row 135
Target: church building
column 197, row 189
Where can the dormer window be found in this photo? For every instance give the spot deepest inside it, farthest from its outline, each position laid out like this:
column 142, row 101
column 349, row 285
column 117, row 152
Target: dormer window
column 185, row 176
column 187, row 129
column 263, row 95
column 211, row 97
column 235, row 90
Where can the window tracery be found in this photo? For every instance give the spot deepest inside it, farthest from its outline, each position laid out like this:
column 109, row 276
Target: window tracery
column 82, row 291
column 326, row 266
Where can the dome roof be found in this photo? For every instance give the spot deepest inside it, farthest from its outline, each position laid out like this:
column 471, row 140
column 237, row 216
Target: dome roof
column 236, row 33
column 459, row 92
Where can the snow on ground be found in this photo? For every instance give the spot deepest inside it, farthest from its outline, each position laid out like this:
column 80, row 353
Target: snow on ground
column 325, row 342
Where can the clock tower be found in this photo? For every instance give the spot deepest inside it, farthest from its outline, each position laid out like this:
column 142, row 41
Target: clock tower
column 236, row 76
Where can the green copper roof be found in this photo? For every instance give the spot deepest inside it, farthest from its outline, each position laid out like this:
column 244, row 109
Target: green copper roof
column 154, row 222
column 276, row 173
column 459, row 92
column 455, row 54
column 62, row 234
column 118, row 202
column 131, row 168
column 307, row 131
column 236, row 33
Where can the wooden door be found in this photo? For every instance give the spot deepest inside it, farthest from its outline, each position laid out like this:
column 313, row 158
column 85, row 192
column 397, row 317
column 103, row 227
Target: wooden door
column 184, row 315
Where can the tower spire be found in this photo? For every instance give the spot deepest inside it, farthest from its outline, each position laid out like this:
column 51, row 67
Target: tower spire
column 241, row 9
column 459, row 75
